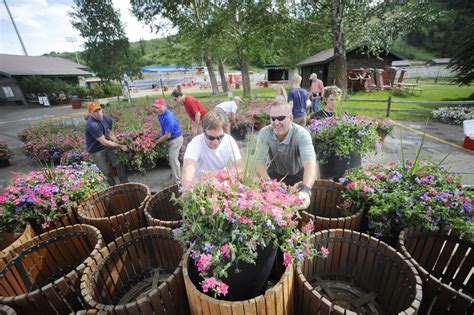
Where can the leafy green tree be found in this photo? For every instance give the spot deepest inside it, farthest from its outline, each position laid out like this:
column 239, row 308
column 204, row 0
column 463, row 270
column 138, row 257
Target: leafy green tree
column 462, row 62
column 107, row 49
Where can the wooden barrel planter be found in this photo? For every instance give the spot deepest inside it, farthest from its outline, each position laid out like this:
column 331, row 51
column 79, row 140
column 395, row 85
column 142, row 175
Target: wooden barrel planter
column 138, row 273
column 323, row 209
column 9, row 240
column 361, row 275
column 42, row 275
column 276, row 300
column 444, row 260
column 6, row 310
column 160, row 210
column 116, row 210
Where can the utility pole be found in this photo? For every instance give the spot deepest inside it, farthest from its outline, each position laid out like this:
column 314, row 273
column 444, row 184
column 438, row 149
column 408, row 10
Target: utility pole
column 72, row 40
column 16, row 30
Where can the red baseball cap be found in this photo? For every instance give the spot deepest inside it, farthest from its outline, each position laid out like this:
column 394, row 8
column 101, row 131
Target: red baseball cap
column 159, row 102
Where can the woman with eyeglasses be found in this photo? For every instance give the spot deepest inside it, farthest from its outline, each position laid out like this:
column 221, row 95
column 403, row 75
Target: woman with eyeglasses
column 285, row 152
column 212, row 150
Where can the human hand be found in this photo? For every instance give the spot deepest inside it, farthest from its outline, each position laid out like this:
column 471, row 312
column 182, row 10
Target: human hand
column 123, row 147
column 304, row 195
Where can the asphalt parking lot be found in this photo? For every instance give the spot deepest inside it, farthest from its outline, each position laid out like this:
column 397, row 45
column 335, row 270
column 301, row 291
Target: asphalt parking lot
column 440, row 140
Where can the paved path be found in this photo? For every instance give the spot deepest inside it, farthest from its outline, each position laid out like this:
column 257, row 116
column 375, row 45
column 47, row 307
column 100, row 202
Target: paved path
column 441, row 140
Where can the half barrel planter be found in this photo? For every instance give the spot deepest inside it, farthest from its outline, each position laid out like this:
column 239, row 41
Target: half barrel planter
column 6, row 310
column 324, row 211
column 42, row 275
column 9, row 240
column 361, row 275
column 160, row 210
column 116, row 210
column 138, row 273
column 444, row 260
column 276, row 300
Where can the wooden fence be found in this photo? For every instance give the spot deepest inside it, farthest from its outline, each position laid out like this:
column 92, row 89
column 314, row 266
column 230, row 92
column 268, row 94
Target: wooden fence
column 389, row 103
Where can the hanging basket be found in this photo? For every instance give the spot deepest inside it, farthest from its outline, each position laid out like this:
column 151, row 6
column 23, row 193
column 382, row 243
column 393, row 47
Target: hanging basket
column 116, row 210
column 42, row 275
column 276, row 300
column 139, row 273
column 360, row 275
column 160, row 210
column 444, row 260
column 323, row 209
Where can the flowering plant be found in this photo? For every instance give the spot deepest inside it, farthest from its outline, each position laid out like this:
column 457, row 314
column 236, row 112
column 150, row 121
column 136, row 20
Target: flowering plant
column 5, row 152
column 406, row 193
column 384, row 127
column 453, row 115
column 228, row 217
column 343, row 136
column 44, row 195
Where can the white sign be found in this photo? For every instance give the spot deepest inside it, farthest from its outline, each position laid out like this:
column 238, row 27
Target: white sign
column 7, row 91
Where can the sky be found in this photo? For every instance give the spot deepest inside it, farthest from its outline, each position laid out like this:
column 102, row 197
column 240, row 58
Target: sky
column 44, row 25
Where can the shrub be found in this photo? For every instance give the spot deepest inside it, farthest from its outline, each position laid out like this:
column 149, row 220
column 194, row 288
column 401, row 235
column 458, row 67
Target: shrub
column 453, row 115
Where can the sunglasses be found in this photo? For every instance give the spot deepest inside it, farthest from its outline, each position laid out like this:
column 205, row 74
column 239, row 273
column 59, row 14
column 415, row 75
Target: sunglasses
column 279, row 118
column 211, row 138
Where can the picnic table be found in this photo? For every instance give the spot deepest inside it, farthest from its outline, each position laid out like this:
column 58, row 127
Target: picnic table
column 409, row 87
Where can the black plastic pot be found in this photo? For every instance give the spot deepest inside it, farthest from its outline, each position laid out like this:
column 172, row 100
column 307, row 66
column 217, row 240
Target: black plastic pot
column 250, row 282
column 336, row 166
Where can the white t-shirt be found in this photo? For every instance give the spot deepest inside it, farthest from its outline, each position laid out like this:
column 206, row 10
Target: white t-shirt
column 212, row 160
column 228, row 107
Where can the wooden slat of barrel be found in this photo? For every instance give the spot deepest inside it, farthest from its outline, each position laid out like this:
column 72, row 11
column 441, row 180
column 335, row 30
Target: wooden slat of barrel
column 433, row 256
column 54, row 299
column 420, row 243
column 444, row 257
column 314, row 301
column 464, row 271
column 144, row 305
column 454, row 264
column 173, row 288
column 69, row 293
column 390, row 288
column 445, row 296
column 462, row 304
column 427, row 250
column 166, row 297
column 336, row 254
column 156, row 304
column 369, row 263
column 359, row 269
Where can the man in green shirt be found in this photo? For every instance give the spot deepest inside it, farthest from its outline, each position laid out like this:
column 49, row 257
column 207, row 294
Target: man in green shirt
column 285, row 152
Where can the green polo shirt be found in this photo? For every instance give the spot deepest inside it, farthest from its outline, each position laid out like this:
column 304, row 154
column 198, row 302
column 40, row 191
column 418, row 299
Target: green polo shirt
column 287, row 156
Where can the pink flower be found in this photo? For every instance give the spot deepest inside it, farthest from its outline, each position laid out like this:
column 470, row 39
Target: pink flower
column 208, row 283
column 325, row 251
column 308, row 228
column 204, row 262
column 287, row 259
column 225, row 250
column 351, row 185
column 222, row 288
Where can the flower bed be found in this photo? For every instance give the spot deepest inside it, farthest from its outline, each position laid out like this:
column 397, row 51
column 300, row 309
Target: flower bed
column 42, row 196
column 453, row 115
column 409, row 193
column 343, row 136
column 229, row 218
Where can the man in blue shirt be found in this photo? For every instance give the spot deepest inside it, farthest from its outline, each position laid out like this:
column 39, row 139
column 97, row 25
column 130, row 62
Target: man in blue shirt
column 171, row 133
column 100, row 140
column 297, row 97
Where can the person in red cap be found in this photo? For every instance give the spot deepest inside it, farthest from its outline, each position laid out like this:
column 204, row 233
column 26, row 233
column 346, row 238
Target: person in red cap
column 100, row 142
column 193, row 108
column 171, row 133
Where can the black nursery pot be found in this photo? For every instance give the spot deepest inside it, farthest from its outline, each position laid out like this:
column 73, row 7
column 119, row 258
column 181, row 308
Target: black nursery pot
column 250, row 282
column 4, row 163
column 336, row 166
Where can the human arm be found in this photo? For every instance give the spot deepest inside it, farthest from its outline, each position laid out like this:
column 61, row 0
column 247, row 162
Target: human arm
column 262, row 170
column 262, row 153
column 233, row 120
column 111, row 144
column 197, row 120
column 189, row 167
column 164, row 137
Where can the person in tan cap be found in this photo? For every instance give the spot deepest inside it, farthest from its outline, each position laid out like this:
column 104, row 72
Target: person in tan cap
column 230, row 109
column 100, row 142
column 316, row 91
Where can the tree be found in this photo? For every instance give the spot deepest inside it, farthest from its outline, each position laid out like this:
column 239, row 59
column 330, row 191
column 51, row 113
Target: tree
column 462, row 61
column 107, row 49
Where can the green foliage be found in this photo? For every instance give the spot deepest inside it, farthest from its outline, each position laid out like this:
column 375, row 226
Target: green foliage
column 419, row 193
column 108, row 51
column 462, row 61
column 57, row 90
column 79, row 91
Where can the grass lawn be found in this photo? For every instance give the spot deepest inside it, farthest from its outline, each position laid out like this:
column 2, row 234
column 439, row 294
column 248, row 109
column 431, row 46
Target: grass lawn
column 430, row 93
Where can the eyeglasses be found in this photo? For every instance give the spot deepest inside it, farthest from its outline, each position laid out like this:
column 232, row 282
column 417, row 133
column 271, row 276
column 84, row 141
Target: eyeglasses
column 279, row 118
column 212, row 138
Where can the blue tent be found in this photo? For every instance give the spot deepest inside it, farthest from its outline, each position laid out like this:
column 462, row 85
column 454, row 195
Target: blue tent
column 166, row 68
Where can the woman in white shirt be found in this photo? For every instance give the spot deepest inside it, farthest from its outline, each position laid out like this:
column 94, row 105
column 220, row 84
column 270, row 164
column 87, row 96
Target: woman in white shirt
column 213, row 150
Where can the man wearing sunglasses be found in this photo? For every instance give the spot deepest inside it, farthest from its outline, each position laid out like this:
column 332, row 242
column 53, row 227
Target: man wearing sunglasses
column 171, row 133
column 285, row 152
column 100, row 142
column 213, row 150
column 193, row 108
